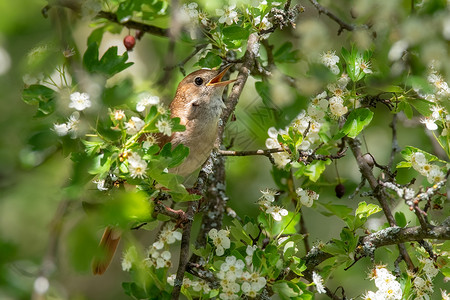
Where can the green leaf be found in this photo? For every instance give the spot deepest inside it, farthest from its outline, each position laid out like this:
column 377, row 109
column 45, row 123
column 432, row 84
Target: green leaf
column 235, row 32
column 367, row 210
column 285, row 55
column 92, row 147
column 96, row 36
column 408, row 150
column 211, row 60
column 118, row 94
column 125, row 208
column 110, row 63
column 133, row 290
column 400, row 219
column 406, row 108
column 41, row 96
column 341, row 211
column 357, row 120
column 421, row 105
column 263, row 90
column 315, row 169
column 287, row 290
column 176, row 155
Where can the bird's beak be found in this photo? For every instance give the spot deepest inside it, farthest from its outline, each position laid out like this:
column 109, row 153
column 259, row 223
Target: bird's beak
column 216, row 81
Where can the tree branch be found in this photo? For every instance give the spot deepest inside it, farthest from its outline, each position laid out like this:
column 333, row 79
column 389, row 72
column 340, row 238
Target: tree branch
column 385, row 237
column 377, row 189
column 151, row 29
column 342, row 25
column 184, row 251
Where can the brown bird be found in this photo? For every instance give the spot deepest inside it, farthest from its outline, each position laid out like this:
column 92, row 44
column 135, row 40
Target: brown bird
column 198, row 103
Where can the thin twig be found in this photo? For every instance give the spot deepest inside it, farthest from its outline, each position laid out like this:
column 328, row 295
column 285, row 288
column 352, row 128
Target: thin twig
column 394, row 147
column 48, row 264
column 178, row 216
column 184, row 251
column 304, row 232
column 342, row 25
column 151, row 29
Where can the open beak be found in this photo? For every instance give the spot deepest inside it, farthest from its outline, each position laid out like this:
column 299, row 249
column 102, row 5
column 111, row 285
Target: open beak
column 216, row 81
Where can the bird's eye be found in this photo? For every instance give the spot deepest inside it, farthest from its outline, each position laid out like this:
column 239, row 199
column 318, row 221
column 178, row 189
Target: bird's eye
column 198, row 81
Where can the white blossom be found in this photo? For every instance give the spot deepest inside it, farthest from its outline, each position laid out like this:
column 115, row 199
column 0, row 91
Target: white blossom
column 137, row 166
column 164, row 126
column 134, row 125
column 227, row 15
column 220, row 240
column 281, row 159
column 277, row 212
column 329, row 58
column 79, row 101
column 429, row 123
column 146, row 100
column 318, row 281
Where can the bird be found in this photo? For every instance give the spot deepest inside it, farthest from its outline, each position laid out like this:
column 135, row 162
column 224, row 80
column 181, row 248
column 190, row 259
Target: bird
column 198, row 103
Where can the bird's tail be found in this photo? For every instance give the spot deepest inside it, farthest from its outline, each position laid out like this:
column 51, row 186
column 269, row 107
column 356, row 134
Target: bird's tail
column 108, row 246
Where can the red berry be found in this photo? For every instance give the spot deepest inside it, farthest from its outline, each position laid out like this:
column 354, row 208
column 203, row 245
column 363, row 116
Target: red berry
column 339, row 190
column 129, row 41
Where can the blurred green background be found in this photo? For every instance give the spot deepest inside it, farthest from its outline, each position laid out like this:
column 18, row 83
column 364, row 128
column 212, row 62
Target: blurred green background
column 33, row 174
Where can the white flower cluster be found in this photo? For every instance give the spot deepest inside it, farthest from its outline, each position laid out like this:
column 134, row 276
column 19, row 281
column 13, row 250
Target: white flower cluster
column 424, row 287
column 306, row 197
column 441, row 94
column 164, row 126
column 236, row 276
column 196, row 285
column 220, row 240
column 228, row 14
column 158, row 257
column 318, row 281
column 441, row 86
column 192, row 17
column 70, row 127
column 146, row 100
column 137, row 166
column 195, row 16
column 420, row 163
column 330, row 60
column 265, row 203
column 445, row 295
column 129, row 257
column 134, row 125
column 79, row 101
column 338, row 91
column 388, row 287
column 363, row 65
column 309, row 123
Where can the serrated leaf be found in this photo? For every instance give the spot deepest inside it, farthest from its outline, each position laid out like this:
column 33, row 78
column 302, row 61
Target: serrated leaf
column 41, row 96
column 357, row 120
column 284, row 54
column 315, row 169
column 341, row 211
column 403, row 164
column 211, row 60
column 408, row 150
column 110, row 64
column 287, row 290
column 367, row 210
